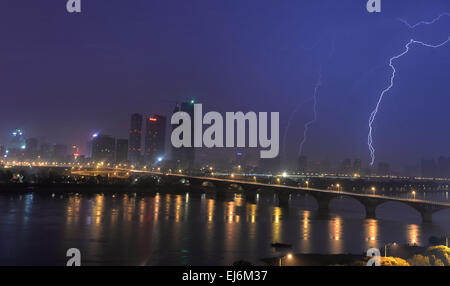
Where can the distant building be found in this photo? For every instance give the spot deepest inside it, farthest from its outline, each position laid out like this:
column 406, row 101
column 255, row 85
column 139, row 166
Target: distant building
column 383, row 169
column 122, row 151
column 103, row 148
column 16, row 145
column 184, row 157
column 134, row 144
column 31, row 149
column 155, row 139
column 45, row 152
column 17, row 140
column 357, row 166
column 60, row 152
column 428, row 168
column 2, row 152
column 346, row 166
column 444, row 166
column 303, row 164
column 75, row 153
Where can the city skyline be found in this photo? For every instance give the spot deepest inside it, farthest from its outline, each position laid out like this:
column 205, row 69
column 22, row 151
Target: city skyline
column 153, row 150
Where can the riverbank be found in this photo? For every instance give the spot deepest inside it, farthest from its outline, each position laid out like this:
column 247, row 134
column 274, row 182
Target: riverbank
column 401, row 255
column 313, row 260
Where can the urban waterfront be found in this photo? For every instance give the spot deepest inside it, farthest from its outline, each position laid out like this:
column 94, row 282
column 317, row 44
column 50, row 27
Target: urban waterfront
column 168, row 228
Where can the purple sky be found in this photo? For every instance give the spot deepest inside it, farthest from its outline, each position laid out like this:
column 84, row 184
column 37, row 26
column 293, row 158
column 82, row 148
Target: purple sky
column 63, row 76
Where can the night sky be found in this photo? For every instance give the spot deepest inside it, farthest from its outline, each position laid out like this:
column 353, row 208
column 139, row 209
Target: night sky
column 64, row 76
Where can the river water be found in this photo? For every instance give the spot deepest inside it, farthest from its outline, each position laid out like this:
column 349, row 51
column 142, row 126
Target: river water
column 195, row 229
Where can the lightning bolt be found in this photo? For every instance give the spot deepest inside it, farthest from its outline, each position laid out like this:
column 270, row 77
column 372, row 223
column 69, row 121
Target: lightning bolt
column 424, row 22
column 314, row 98
column 309, row 123
column 291, row 118
column 383, row 93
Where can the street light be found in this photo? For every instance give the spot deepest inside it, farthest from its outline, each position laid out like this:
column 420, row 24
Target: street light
column 307, row 184
column 386, row 246
column 288, row 256
column 373, row 190
column 337, row 186
column 414, row 194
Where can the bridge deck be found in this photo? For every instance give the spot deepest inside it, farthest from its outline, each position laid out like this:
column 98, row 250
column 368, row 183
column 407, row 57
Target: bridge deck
column 293, row 188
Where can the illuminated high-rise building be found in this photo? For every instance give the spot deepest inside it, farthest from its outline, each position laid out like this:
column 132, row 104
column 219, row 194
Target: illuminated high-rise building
column 134, row 144
column 103, row 148
column 155, row 135
column 16, row 145
column 17, row 140
column 184, row 157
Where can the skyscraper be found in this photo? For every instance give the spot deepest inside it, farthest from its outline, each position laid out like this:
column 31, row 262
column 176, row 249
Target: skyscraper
column 122, row 150
column 45, row 152
column 184, row 157
column 103, row 148
column 134, row 144
column 31, row 151
column 17, row 140
column 155, row 135
column 2, row 152
column 17, row 145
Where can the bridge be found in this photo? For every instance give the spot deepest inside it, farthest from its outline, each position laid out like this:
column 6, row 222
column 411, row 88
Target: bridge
column 250, row 189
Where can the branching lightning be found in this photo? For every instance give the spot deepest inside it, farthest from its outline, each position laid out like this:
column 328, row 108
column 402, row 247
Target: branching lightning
column 424, row 22
column 309, row 123
column 383, row 93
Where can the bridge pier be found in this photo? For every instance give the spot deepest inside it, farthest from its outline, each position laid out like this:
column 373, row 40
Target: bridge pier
column 283, row 199
column 221, row 195
column 195, row 185
column 225, row 187
column 426, row 211
column 371, row 211
column 427, row 216
column 370, row 205
column 323, row 204
column 221, row 186
column 250, row 196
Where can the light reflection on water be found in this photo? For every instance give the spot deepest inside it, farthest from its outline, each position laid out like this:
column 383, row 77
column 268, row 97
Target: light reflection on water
column 192, row 229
